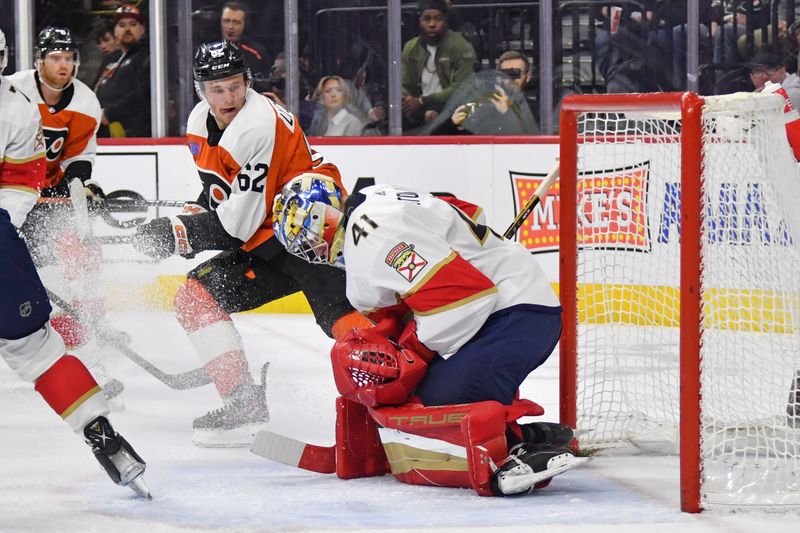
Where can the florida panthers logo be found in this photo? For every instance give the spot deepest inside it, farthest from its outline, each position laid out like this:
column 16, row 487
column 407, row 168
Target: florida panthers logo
column 216, row 188
column 55, row 139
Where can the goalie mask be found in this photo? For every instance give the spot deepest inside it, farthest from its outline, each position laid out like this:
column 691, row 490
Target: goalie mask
column 3, row 52
column 217, row 61
column 53, row 39
column 308, row 220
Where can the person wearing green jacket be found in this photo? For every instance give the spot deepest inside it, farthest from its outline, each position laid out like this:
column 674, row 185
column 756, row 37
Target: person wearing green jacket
column 433, row 64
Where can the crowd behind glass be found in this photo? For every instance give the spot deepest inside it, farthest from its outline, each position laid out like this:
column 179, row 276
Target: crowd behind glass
column 467, row 66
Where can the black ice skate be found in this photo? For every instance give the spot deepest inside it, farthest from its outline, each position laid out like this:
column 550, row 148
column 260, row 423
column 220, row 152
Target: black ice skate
column 555, row 435
column 120, row 461
column 528, row 465
column 234, row 425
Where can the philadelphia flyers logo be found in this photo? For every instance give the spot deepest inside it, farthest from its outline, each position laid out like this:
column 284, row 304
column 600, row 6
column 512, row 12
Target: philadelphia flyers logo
column 216, row 188
column 55, row 139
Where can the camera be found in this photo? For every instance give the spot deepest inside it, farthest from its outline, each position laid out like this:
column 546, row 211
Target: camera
column 263, row 84
column 470, row 108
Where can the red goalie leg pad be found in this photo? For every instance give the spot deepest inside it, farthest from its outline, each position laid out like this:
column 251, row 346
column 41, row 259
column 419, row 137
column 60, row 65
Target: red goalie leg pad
column 66, row 385
column 472, row 437
column 70, row 329
column 358, row 448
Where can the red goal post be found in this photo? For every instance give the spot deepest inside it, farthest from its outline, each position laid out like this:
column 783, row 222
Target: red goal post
column 661, row 306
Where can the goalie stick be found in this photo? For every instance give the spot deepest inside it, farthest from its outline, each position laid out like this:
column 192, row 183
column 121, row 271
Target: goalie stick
column 533, row 201
column 293, row 452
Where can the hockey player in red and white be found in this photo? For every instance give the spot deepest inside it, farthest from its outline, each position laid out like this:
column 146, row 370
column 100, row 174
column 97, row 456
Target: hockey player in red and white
column 462, row 317
column 70, row 116
column 28, row 343
column 245, row 148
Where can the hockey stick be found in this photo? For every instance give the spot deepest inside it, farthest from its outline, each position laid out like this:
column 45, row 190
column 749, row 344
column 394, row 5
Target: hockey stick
column 118, row 339
column 292, row 452
column 295, row 453
column 112, row 239
column 117, row 204
column 533, row 201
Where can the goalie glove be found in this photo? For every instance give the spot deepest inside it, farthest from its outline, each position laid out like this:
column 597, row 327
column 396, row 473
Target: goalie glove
column 163, row 237
column 370, row 369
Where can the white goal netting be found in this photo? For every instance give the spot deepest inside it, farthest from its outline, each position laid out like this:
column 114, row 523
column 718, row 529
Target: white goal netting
column 628, row 276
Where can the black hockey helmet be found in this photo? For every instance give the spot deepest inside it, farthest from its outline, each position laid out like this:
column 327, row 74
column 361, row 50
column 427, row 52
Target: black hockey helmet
column 53, row 39
column 215, row 61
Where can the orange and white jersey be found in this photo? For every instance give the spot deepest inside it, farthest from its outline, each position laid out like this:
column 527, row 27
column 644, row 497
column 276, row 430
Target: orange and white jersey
column 70, row 128
column 22, row 167
column 243, row 166
column 408, row 252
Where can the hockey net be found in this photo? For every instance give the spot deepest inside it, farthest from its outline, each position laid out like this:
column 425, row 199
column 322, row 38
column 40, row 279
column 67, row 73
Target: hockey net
column 680, row 281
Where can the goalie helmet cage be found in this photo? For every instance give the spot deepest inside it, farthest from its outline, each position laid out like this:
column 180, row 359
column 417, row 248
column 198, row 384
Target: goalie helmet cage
column 680, row 283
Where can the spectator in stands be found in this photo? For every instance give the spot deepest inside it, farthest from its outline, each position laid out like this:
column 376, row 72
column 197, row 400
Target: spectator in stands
column 233, row 22
column 335, row 115
column 669, row 38
column 507, row 111
column 433, row 64
column 621, row 48
column 102, row 34
column 736, row 14
column 124, row 86
column 767, row 66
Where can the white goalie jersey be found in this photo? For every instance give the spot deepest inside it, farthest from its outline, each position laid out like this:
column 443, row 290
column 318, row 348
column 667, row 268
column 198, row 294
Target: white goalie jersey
column 409, row 252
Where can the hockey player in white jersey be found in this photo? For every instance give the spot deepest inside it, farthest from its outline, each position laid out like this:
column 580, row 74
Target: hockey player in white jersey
column 70, row 116
column 463, row 316
column 28, row 343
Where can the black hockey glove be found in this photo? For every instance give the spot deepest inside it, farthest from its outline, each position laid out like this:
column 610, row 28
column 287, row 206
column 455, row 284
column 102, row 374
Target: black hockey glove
column 163, row 237
column 95, row 197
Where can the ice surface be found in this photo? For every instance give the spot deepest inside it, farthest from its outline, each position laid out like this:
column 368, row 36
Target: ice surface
column 49, row 480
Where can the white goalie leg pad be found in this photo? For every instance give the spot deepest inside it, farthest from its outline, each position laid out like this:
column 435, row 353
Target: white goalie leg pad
column 31, row 356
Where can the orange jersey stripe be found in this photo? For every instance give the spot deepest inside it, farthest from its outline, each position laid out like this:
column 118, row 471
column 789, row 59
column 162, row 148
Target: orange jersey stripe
column 67, row 133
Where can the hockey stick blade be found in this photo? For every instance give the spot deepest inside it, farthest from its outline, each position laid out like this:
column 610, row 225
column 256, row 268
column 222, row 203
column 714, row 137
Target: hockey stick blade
column 533, row 201
column 186, row 380
column 292, row 452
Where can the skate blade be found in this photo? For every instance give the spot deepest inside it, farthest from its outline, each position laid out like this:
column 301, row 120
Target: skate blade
column 241, row 437
column 140, row 488
column 517, row 484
